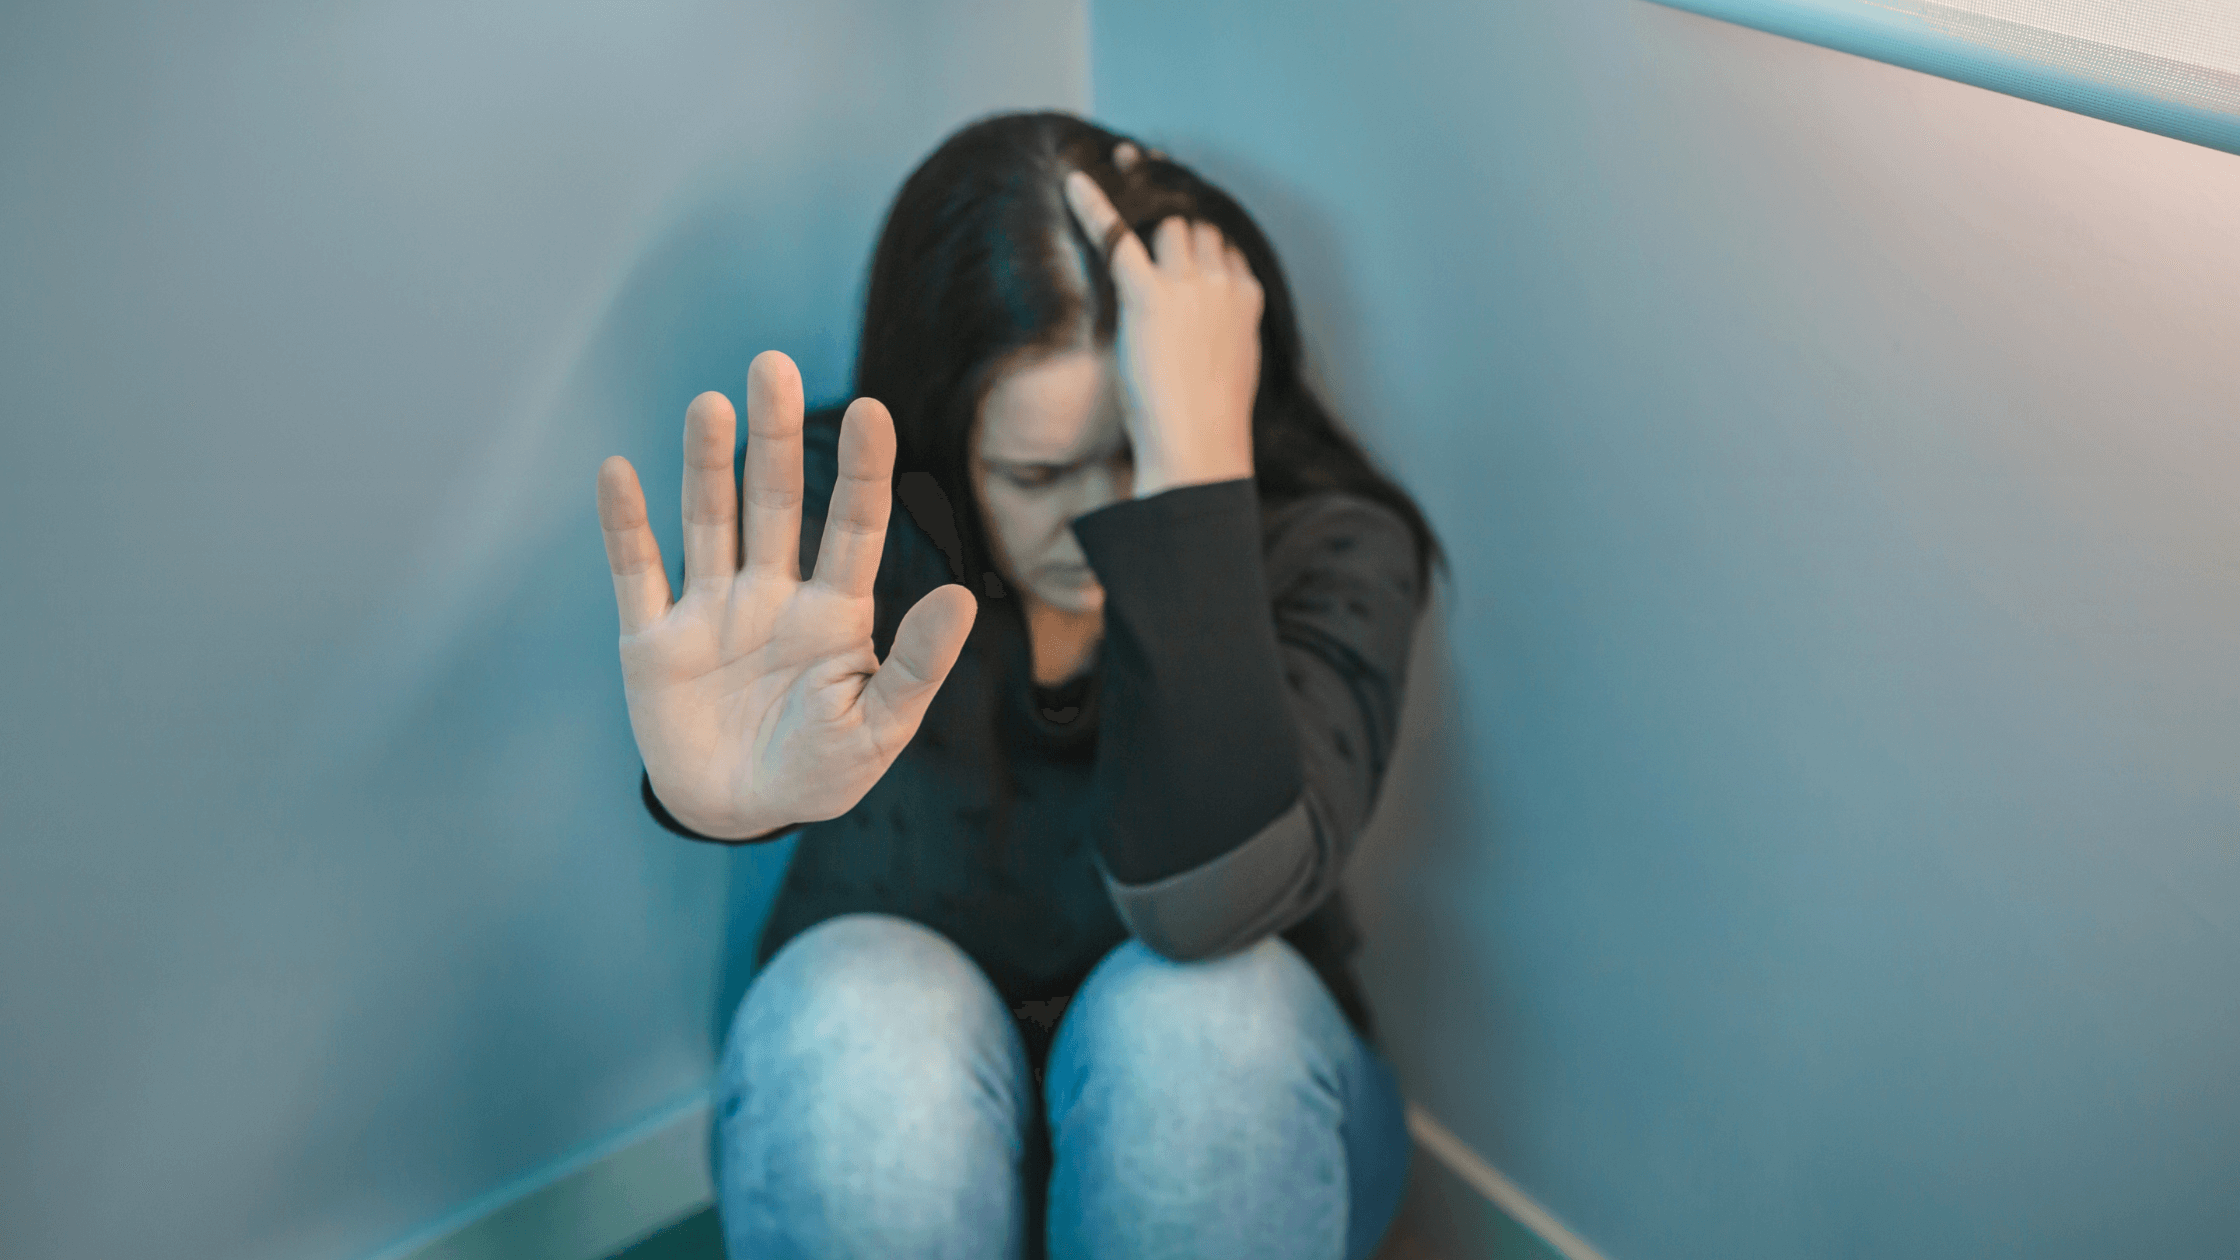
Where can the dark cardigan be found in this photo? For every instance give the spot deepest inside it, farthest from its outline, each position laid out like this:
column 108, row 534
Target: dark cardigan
column 1201, row 788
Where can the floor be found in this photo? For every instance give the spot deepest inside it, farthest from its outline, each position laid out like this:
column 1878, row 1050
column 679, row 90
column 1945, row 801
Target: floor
column 1441, row 1219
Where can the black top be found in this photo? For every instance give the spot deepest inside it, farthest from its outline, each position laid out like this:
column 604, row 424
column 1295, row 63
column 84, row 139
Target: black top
column 1201, row 787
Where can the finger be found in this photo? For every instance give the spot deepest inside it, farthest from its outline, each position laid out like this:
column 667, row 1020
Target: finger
column 926, row 647
column 1206, row 245
column 1091, row 208
column 772, row 477
column 1175, row 249
column 855, row 530
column 1241, row 268
column 641, row 584
column 1124, row 252
column 1125, row 155
column 711, row 502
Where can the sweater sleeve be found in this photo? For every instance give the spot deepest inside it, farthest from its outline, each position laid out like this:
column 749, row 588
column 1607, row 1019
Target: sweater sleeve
column 1251, row 693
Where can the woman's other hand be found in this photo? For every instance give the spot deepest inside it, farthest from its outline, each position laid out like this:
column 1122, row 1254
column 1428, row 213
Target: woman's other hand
column 757, row 699
column 1189, row 344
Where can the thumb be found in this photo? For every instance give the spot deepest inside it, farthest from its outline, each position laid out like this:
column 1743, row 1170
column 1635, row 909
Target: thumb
column 926, row 647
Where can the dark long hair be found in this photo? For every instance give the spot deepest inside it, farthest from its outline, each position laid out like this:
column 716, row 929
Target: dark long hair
column 980, row 263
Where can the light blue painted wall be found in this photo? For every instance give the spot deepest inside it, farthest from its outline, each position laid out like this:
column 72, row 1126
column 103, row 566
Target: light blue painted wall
column 1833, row 848
column 326, row 900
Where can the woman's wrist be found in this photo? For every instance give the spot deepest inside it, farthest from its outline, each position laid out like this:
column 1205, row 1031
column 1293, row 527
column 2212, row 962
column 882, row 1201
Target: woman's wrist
column 737, row 830
column 730, row 827
column 1156, row 476
column 1146, row 489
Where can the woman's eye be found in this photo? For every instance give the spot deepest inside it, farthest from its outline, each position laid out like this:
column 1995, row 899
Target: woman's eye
column 1034, row 476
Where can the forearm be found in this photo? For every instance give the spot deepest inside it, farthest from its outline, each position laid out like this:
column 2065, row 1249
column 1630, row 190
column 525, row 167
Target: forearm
column 1251, row 705
column 1196, row 751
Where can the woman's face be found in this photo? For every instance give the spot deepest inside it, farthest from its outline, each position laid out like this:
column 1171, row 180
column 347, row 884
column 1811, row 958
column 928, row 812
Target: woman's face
column 1049, row 447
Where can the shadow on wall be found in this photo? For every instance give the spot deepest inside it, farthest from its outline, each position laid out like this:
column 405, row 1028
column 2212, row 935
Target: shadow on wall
column 704, row 299
column 1425, row 962
column 511, row 739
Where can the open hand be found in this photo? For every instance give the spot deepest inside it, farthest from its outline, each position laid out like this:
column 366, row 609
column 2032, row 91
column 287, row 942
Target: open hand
column 757, row 699
column 1189, row 344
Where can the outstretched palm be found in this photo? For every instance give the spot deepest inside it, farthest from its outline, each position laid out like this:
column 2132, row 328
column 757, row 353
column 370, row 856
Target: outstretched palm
column 757, row 698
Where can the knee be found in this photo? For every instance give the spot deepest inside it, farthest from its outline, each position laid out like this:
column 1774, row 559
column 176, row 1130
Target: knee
column 871, row 1099
column 1255, row 1019
column 875, row 997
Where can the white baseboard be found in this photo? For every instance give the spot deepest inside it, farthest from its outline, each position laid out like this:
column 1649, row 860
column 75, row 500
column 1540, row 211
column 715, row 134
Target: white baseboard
column 1487, row 1180
column 615, row 1192
column 588, row 1205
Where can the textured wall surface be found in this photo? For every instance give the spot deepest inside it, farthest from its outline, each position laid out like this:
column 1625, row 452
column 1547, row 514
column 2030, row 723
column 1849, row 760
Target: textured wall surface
column 326, row 901
column 1827, row 841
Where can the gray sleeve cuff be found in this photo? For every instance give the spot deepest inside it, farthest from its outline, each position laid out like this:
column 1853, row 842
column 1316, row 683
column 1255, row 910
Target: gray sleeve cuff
column 1255, row 889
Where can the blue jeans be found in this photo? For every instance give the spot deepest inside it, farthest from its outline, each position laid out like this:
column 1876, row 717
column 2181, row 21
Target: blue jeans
column 875, row 1100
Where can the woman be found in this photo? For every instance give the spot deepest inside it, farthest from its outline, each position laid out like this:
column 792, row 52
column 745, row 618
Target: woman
column 1059, row 962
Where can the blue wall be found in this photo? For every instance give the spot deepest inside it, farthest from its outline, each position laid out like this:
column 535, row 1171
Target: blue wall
column 1826, row 840
column 1830, row 844
column 326, row 900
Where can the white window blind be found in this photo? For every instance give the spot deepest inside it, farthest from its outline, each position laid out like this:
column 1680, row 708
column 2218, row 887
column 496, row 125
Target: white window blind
column 2171, row 66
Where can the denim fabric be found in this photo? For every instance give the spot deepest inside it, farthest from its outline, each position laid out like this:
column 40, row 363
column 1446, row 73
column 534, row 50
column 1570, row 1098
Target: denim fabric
column 876, row 1100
